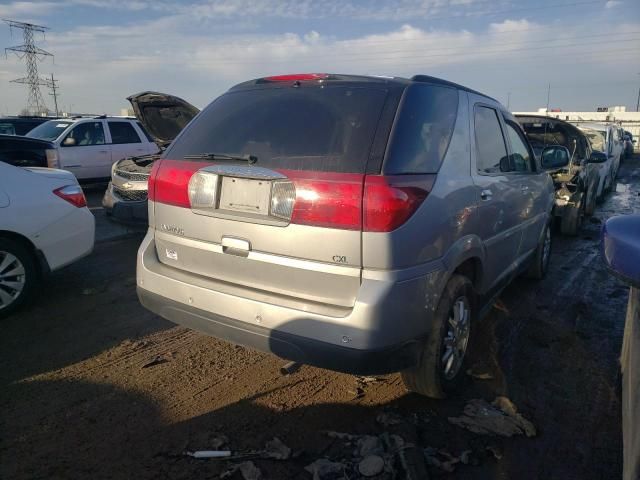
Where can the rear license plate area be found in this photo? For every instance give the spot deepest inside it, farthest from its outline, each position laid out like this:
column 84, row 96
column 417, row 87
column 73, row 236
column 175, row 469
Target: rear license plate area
column 245, row 195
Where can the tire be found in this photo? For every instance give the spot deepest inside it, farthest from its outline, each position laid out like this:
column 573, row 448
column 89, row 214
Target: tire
column 19, row 276
column 600, row 198
column 540, row 262
column 571, row 222
column 590, row 203
column 431, row 377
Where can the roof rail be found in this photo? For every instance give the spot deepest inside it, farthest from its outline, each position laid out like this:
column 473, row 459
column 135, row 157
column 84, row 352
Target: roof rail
column 100, row 116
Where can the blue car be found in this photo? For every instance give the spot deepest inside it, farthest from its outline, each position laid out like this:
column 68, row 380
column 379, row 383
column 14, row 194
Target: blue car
column 620, row 248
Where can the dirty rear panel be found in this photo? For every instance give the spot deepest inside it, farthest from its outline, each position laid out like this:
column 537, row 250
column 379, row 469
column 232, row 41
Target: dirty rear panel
column 306, row 145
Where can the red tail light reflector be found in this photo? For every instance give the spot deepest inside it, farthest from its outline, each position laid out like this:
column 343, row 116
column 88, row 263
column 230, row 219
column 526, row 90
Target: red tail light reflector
column 389, row 201
column 332, row 200
column 72, row 194
column 169, row 181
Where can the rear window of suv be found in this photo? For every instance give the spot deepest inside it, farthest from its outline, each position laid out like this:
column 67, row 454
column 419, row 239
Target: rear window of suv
column 319, row 128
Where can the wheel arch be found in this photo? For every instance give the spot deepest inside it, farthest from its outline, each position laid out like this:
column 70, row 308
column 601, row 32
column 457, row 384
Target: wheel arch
column 28, row 244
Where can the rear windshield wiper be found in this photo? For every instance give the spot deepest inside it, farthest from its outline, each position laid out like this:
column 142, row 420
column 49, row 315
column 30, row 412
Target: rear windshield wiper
column 250, row 159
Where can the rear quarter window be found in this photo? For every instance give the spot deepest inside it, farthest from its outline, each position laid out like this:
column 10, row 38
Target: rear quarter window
column 319, row 128
column 423, row 130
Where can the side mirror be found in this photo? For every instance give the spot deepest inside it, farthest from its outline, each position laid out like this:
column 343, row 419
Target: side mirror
column 69, row 142
column 555, row 157
column 597, row 157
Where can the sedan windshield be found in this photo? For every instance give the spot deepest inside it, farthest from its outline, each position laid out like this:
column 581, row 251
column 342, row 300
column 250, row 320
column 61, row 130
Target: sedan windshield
column 49, row 130
column 597, row 139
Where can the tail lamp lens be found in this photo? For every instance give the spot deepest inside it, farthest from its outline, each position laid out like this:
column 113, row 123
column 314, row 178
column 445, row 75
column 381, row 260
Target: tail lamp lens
column 283, row 197
column 72, row 194
column 52, row 158
column 389, row 201
column 203, row 190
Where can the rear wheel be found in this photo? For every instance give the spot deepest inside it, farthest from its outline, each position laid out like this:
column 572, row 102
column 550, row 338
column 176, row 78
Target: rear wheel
column 18, row 276
column 441, row 364
column 540, row 261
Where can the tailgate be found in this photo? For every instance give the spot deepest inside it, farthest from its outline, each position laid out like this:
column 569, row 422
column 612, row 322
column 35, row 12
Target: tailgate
column 291, row 223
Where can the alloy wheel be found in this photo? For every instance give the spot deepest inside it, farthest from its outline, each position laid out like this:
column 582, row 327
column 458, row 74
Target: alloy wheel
column 456, row 338
column 12, row 278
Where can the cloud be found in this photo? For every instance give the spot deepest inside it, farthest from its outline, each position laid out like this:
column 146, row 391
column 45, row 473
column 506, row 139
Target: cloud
column 612, row 3
column 17, row 10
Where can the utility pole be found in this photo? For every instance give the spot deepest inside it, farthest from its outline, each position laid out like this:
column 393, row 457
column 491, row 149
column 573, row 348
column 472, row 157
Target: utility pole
column 31, row 55
column 53, row 85
column 548, row 98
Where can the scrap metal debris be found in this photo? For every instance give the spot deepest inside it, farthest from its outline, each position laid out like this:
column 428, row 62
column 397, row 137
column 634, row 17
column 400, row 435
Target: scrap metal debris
column 498, row 418
column 324, row 468
column 209, row 454
column 277, row 450
column 443, row 460
column 479, row 375
column 247, row 469
column 158, row 360
column 371, row 466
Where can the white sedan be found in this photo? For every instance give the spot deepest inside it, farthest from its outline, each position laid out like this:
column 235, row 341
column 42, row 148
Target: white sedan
column 44, row 225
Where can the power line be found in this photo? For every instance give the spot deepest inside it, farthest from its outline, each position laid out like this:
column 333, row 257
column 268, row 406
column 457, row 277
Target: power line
column 31, row 54
column 414, row 58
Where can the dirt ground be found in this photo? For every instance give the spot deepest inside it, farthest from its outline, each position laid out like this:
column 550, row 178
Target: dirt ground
column 93, row 386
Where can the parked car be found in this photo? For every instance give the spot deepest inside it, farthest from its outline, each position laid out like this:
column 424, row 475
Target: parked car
column 620, row 248
column 26, row 152
column 88, row 147
column 20, row 125
column 163, row 117
column 44, row 225
column 601, row 137
column 360, row 224
column 628, row 144
column 576, row 184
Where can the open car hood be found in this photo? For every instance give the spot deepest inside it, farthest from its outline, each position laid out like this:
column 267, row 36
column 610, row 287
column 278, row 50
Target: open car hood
column 162, row 115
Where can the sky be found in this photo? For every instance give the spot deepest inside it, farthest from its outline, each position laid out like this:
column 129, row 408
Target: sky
column 106, row 50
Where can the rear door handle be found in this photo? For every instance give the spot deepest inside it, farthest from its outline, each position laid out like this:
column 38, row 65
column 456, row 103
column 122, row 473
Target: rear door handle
column 486, row 195
column 104, row 151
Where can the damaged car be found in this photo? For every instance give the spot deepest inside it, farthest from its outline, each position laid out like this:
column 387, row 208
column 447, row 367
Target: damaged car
column 576, row 184
column 163, row 117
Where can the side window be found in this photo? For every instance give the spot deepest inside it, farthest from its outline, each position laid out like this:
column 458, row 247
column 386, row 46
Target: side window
column 423, row 130
column 490, row 147
column 7, row 129
column 146, row 134
column 520, row 156
column 123, row 132
column 85, row 134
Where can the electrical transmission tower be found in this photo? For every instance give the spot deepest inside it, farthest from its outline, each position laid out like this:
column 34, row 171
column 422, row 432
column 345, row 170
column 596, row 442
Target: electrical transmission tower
column 32, row 55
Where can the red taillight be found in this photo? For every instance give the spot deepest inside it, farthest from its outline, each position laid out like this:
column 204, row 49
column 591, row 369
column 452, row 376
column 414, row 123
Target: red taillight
column 300, row 77
column 389, row 201
column 72, row 194
column 335, row 200
column 331, row 200
column 169, row 181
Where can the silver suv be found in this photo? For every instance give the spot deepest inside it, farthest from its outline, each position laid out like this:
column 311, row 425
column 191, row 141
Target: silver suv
column 359, row 224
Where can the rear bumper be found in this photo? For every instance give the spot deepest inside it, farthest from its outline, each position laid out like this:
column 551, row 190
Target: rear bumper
column 125, row 211
column 382, row 332
column 291, row 347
